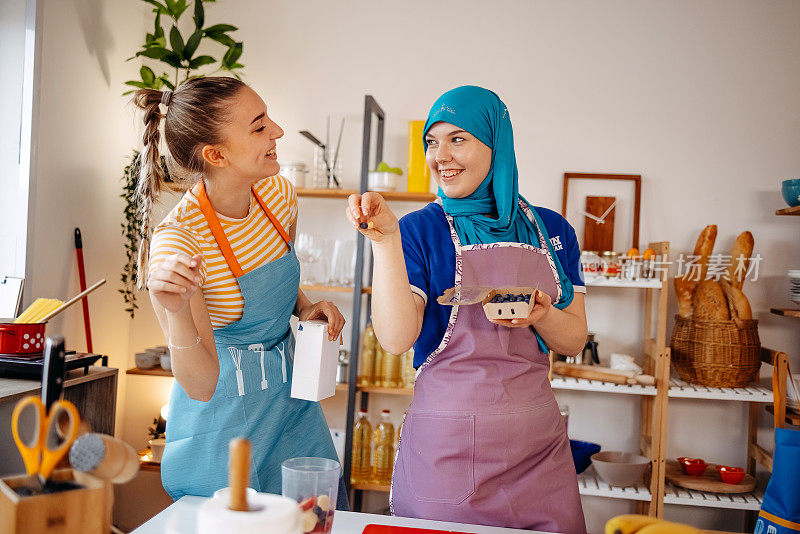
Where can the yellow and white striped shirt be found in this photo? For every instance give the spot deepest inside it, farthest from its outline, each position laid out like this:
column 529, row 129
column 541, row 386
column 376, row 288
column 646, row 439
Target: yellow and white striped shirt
column 254, row 241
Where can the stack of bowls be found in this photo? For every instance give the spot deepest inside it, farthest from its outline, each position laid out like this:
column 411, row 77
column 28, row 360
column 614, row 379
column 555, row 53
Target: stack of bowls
column 794, row 286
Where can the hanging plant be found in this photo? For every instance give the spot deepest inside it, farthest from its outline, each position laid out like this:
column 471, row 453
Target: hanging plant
column 175, row 57
column 130, row 231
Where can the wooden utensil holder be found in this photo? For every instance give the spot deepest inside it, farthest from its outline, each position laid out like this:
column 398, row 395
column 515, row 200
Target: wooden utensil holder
column 86, row 510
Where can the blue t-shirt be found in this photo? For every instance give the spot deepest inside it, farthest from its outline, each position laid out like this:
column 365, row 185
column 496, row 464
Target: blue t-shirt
column 431, row 264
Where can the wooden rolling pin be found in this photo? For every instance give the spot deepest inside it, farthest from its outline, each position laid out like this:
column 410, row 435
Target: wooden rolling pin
column 604, row 374
column 104, row 457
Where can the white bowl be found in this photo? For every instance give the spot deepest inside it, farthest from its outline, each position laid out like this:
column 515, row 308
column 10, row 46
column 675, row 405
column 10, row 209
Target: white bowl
column 620, row 468
column 145, row 360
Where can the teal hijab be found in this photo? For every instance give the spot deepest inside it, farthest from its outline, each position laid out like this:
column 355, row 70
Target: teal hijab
column 482, row 113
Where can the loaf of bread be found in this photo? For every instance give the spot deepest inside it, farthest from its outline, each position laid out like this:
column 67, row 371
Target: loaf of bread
column 686, row 285
column 703, row 248
column 709, row 302
column 737, row 299
column 684, row 291
column 742, row 248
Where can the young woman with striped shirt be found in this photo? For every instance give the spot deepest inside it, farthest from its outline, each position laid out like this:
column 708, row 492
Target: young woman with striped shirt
column 223, row 278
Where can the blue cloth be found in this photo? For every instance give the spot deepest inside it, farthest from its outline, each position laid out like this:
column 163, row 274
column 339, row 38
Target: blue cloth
column 195, row 460
column 482, row 113
column 430, row 258
column 780, row 509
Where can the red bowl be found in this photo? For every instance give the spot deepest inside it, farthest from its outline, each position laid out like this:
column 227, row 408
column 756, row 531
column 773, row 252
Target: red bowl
column 692, row 466
column 731, row 475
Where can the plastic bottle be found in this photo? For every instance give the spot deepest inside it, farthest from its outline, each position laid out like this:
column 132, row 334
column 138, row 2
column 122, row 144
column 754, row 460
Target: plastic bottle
column 379, row 366
column 366, row 375
column 384, row 450
column 361, row 470
column 392, row 377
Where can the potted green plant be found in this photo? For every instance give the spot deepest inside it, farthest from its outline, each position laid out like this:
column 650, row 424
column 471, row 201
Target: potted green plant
column 173, row 59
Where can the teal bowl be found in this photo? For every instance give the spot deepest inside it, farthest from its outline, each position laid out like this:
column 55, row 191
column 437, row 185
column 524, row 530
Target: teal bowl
column 790, row 189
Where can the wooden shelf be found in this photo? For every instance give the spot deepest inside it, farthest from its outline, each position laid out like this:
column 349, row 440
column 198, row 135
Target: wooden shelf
column 788, row 211
column 590, row 484
column 387, row 391
column 752, row 393
column 734, row 501
column 156, row 371
column 786, row 312
column 583, row 384
column 145, row 465
column 334, row 289
column 401, row 196
column 372, row 487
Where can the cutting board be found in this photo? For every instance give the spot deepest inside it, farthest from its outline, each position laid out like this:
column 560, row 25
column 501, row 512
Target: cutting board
column 708, row 481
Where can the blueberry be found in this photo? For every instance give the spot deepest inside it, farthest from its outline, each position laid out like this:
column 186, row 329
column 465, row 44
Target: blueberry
column 520, row 298
column 509, row 296
column 363, row 225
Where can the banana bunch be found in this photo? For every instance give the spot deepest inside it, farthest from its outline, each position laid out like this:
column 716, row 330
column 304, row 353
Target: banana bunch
column 644, row 524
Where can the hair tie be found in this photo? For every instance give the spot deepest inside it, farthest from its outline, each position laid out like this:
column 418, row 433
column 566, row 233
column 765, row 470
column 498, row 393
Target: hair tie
column 166, row 97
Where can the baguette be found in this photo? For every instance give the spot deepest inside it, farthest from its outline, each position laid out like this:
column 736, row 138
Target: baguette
column 737, row 299
column 704, row 247
column 742, row 248
column 710, row 303
column 686, row 285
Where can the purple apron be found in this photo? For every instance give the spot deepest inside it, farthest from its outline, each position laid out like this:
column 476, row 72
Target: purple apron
column 483, row 441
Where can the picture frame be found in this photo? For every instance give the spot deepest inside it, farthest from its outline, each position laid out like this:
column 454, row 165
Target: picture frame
column 604, row 209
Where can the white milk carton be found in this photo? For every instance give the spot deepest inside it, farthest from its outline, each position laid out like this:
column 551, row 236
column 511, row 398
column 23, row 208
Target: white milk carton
column 315, row 359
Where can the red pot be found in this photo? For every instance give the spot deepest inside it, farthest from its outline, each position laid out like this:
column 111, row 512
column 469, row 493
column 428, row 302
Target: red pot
column 731, row 475
column 25, row 338
column 692, row 466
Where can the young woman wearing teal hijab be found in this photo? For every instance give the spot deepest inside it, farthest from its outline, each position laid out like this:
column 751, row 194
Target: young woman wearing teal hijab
column 483, row 441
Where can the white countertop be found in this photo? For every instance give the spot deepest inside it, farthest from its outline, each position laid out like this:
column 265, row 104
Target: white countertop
column 180, row 518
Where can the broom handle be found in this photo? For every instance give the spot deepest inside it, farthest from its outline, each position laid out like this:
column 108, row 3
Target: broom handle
column 71, row 301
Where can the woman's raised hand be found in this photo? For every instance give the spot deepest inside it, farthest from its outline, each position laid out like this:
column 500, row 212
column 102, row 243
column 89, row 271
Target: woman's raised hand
column 174, row 280
column 370, row 209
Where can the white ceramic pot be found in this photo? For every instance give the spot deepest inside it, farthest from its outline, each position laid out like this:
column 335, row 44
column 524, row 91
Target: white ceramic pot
column 157, row 449
column 166, row 362
column 382, row 181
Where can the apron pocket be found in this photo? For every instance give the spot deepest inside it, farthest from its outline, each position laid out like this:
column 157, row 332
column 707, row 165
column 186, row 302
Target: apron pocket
column 439, row 457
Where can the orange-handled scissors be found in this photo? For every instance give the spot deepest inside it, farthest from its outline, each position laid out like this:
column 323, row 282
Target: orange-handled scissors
column 51, row 438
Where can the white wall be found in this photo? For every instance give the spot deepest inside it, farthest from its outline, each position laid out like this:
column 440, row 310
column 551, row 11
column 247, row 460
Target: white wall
column 699, row 98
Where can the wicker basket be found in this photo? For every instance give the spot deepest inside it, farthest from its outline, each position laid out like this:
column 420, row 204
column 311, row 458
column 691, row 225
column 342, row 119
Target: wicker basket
column 716, row 353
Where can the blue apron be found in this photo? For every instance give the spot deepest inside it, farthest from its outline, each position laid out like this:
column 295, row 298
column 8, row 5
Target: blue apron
column 251, row 399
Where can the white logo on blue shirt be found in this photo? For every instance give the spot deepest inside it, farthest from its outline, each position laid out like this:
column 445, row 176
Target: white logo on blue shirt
column 556, row 242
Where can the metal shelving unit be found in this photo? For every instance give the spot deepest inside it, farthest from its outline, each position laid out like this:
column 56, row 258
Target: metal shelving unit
column 373, row 115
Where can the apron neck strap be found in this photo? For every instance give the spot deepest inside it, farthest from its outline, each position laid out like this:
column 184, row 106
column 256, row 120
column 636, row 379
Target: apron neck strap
column 219, row 234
